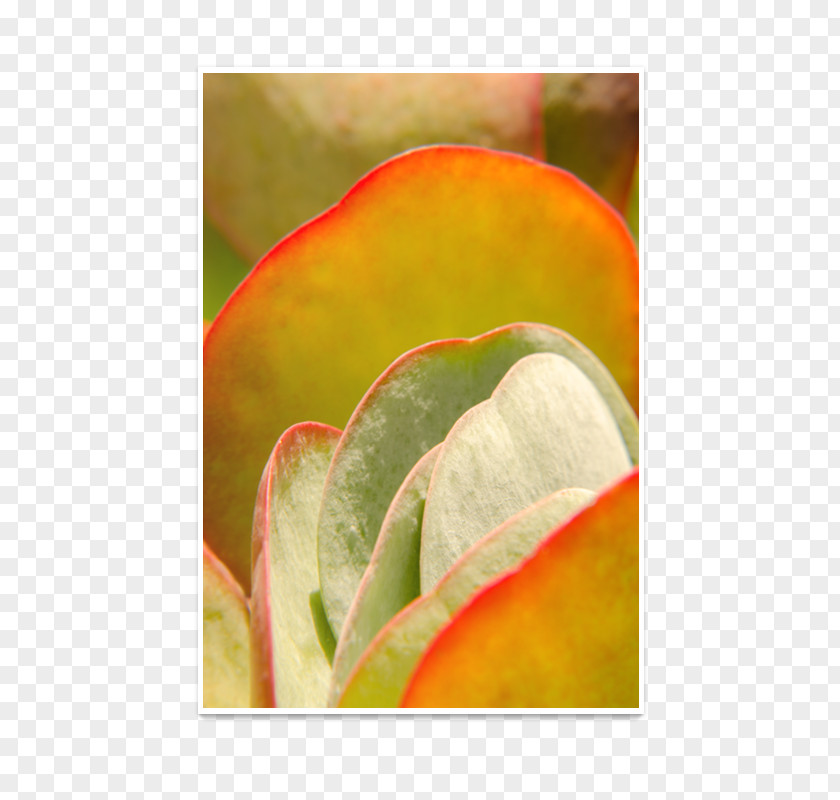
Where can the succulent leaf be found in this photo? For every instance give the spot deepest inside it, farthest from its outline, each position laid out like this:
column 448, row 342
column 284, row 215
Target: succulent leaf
column 545, row 427
column 410, row 409
column 382, row 672
column 225, row 636
column 279, row 149
column 561, row 630
column 291, row 643
column 392, row 577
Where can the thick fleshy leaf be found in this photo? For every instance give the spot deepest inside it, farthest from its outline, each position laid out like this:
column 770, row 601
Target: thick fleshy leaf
column 381, row 674
column 409, row 409
column 392, row 578
column 561, row 630
column 223, row 270
column 592, row 129
column 279, row 149
column 436, row 243
column 545, row 428
column 225, row 638
column 291, row 643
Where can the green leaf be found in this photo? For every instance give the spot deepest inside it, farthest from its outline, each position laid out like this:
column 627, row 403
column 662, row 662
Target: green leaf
column 545, row 427
column 225, row 638
column 409, row 410
column 292, row 645
column 382, row 672
column 224, row 270
column 392, row 578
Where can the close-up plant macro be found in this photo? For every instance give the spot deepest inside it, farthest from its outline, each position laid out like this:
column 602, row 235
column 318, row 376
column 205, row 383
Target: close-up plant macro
column 421, row 391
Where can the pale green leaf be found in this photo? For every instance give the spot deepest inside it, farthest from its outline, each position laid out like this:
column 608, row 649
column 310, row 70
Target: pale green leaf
column 292, row 643
column 392, row 578
column 410, row 409
column 385, row 667
column 546, row 427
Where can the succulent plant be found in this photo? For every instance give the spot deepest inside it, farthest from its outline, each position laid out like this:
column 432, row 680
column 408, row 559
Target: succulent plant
column 477, row 479
column 458, row 461
column 436, row 243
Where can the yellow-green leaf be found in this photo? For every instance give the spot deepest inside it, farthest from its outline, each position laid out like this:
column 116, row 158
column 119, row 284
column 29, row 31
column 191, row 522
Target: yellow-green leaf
column 392, row 578
column 633, row 204
column 226, row 653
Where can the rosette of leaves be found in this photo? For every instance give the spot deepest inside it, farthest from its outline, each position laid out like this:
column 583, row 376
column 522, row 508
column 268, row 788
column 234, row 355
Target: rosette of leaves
column 469, row 540
column 436, row 243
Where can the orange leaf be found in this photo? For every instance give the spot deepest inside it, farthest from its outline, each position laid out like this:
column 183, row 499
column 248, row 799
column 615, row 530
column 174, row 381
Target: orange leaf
column 280, row 148
column 559, row 631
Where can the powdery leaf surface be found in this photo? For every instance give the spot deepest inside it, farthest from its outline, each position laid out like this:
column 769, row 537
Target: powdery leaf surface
column 410, row 409
column 382, row 672
column 545, row 427
column 392, row 578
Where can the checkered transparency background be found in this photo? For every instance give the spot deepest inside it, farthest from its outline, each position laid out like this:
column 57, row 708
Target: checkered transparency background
column 99, row 460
